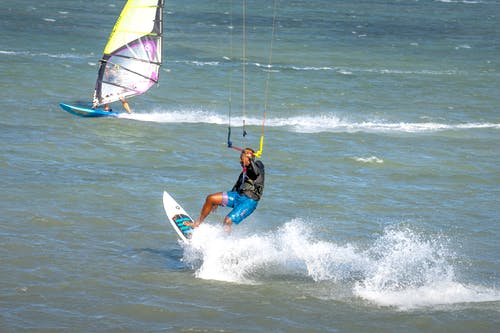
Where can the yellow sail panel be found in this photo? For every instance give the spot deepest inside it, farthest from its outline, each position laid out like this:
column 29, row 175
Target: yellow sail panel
column 136, row 20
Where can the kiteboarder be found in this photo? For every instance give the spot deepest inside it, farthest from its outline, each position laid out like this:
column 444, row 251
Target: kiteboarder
column 243, row 197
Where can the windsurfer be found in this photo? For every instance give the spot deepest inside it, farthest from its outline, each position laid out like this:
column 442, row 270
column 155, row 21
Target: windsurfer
column 243, row 197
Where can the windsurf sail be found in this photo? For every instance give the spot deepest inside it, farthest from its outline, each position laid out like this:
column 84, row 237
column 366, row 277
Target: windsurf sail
column 132, row 57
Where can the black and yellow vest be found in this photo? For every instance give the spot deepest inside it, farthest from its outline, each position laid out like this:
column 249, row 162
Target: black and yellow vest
column 251, row 182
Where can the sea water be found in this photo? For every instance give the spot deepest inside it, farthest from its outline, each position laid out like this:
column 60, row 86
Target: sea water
column 381, row 206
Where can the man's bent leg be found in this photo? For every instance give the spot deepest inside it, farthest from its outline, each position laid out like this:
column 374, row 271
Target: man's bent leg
column 210, row 205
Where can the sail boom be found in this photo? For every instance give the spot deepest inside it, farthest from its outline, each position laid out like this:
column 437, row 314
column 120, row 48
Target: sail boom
column 128, row 57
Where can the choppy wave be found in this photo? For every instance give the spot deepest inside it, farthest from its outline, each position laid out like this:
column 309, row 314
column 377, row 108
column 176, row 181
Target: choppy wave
column 461, row 1
column 353, row 70
column 400, row 269
column 44, row 54
column 272, row 68
column 198, row 63
column 338, row 70
column 307, row 124
column 371, row 159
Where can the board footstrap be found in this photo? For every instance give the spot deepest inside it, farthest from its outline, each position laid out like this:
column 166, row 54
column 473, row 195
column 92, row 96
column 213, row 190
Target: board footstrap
column 179, row 220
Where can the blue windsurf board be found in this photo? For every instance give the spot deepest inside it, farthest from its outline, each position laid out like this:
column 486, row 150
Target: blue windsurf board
column 87, row 112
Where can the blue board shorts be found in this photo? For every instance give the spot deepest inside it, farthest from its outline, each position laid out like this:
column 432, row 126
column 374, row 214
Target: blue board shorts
column 242, row 205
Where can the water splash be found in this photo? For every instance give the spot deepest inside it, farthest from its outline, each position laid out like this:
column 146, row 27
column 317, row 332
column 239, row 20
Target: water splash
column 401, row 269
column 192, row 116
column 305, row 124
column 291, row 251
column 408, row 270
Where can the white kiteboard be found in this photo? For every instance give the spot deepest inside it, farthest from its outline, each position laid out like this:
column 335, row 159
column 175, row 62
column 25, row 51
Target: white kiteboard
column 177, row 216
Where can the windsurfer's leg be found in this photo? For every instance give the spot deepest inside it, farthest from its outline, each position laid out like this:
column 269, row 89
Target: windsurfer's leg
column 125, row 105
column 106, row 107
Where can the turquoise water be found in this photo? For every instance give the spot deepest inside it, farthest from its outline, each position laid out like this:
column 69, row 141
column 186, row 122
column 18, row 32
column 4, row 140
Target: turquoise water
column 380, row 212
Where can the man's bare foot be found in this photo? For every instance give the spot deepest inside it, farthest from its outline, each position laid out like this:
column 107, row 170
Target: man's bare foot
column 193, row 224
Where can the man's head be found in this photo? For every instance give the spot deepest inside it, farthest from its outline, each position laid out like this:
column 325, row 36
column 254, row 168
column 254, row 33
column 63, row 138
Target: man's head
column 247, row 155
